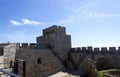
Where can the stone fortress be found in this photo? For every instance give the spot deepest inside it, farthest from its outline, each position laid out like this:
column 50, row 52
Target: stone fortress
column 52, row 52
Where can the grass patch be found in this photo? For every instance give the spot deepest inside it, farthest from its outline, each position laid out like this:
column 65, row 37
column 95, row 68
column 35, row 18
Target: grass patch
column 100, row 74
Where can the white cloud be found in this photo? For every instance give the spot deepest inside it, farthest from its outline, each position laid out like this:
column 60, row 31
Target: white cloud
column 66, row 20
column 87, row 10
column 100, row 15
column 31, row 22
column 16, row 23
column 95, row 15
column 25, row 22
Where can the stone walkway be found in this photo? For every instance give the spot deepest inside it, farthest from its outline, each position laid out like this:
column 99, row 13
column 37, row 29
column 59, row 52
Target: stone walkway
column 63, row 74
column 66, row 73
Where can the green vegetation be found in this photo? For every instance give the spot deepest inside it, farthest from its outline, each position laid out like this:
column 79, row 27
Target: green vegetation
column 100, row 74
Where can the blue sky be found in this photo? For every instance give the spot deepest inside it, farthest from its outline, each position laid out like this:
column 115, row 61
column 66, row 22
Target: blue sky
column 89, row 22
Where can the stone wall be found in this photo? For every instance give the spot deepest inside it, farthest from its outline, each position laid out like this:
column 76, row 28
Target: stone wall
column 78, row 55
column 43, row 62
column 39, row 62
column 9, row 54
column 2, row 45
column 1, row 61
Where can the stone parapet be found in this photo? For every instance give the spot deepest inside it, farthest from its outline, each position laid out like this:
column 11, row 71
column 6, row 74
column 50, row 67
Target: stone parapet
column 102, row 50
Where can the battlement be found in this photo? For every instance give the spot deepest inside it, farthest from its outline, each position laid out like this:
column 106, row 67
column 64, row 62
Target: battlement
column 27, row 45
column 3, row 44
column 102, row 50
column 54, row 29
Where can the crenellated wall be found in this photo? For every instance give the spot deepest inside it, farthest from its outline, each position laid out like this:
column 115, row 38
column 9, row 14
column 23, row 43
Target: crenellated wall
column 57, row 59
column 96, row 50
column 110, row 56
column 27, row 45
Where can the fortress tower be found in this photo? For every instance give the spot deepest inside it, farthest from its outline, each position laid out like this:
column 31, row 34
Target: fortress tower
column 54, row 37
